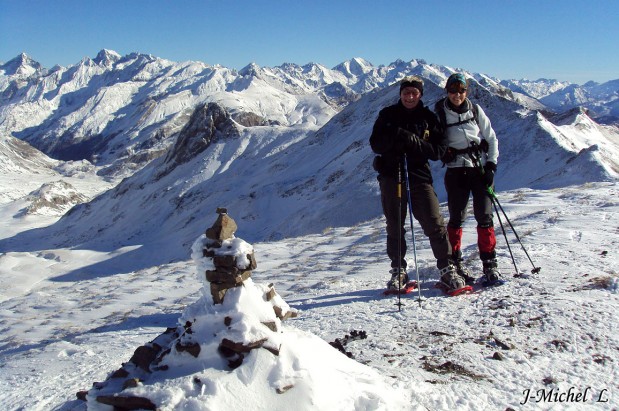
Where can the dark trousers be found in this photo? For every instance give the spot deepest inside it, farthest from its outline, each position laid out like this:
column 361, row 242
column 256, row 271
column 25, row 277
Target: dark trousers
column 461, row 183
column 425, row 210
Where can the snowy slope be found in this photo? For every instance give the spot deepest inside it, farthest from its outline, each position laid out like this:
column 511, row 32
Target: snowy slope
column 37, row 184
column 535, row 88
column 545, row 334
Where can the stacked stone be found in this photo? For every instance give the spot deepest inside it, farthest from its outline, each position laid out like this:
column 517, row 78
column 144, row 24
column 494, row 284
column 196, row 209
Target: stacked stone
column 230, row 269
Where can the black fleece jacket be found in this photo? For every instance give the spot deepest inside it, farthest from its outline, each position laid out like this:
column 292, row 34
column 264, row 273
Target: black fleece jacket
column 397, row 122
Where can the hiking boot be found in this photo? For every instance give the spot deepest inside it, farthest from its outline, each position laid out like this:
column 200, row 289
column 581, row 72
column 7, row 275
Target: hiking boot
column 464, row 273
column 398, row 279
column 451, row 278
column 491, row 271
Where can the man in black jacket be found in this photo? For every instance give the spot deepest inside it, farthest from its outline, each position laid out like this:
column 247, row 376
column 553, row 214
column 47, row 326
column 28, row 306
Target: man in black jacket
column 409, row 128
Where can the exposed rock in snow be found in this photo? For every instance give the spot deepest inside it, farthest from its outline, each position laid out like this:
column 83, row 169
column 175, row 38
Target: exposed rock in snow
column 207, row 123
column 54, row 198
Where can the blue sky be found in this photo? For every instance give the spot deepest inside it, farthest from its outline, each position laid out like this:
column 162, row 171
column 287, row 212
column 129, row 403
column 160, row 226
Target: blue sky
column 567, row 40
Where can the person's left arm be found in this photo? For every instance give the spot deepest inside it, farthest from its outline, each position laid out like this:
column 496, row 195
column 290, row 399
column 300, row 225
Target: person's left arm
column 492, row 155
column 488, row 134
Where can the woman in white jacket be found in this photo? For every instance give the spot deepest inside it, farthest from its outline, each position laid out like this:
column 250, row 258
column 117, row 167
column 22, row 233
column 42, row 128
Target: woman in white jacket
column 469, row 135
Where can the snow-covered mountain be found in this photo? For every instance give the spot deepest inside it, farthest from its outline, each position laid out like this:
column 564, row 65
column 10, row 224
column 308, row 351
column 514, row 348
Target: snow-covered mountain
column 22, row 66
column 601, row 99
column 535, row 88
column 121, row 112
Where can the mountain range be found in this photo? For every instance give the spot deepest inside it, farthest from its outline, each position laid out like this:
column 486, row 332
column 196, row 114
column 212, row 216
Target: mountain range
column 284, row 147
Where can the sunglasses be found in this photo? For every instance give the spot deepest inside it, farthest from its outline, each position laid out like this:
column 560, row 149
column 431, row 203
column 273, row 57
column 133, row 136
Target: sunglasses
column 457, row 90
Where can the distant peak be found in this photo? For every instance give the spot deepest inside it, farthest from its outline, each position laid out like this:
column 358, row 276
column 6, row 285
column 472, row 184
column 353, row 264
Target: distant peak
column 22, row 64
column 354, row 67
column 107, row 57
column 312, row 65
column 360, row 62
column 252, row 69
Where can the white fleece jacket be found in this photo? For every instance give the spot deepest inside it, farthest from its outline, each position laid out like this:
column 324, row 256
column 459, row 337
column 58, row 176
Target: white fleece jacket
column 461, row 136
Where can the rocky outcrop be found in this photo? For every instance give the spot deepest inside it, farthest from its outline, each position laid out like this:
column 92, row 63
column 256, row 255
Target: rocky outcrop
column 248, row 119
column 207, row 123
column 56, row 197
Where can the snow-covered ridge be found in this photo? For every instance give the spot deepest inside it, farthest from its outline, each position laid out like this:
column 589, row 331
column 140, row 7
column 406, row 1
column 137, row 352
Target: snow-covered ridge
column 115, row 108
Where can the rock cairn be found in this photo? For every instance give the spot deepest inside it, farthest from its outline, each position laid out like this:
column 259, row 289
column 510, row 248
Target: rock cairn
column 224, row 265
column 231, row 265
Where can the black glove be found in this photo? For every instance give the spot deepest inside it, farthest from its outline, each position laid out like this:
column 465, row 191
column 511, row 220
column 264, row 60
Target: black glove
column 407, row 141
column 489, row 170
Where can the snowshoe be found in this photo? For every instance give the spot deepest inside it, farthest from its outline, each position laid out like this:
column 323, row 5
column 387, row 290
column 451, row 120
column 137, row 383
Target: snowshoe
column 399, row 282
column 492, row 275
column 486, row 283
column 465, row 273
column 467, row 289
column 398, row 279
column 451, row 283
column 405, row 289
column 451, row 278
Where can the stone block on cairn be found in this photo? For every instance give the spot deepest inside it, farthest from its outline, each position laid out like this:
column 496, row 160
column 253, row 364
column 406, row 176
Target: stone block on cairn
column 223, row 228
column 229, row 255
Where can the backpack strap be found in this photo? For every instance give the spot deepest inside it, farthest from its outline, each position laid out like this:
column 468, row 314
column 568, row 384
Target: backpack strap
column 475, row 110
column 439, row 109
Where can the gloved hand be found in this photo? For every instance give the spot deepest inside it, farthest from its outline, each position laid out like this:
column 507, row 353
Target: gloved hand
column 489, row 171
column 407, row 141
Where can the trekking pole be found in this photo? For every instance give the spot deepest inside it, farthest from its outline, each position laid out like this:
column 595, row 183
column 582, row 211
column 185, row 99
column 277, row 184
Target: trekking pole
column 399, row 197
column 475, row 156
column 494, row 199
column 410, row 213
column 498, row 215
